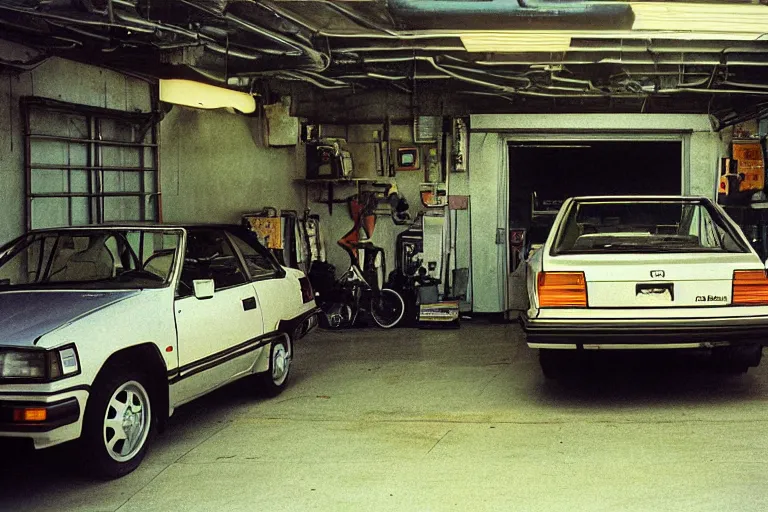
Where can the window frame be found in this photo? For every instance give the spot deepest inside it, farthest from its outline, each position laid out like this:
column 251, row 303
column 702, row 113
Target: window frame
column 144, row 142
column 238, row 259
column 278, row 272
column 718, row 220
column 42, row 234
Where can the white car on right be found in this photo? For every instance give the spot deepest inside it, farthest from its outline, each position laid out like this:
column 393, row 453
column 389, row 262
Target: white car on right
column 646, row 273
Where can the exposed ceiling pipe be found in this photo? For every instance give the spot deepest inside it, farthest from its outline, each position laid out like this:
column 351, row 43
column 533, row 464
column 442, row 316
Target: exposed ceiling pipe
column 318, row 76
column 80, row 31
column 574, row 58
column 357, row 18
column 523, row 79
column 502, row 88
column 26, row 65
column 510, row 15
column 741, row 84
column 493, row 94
column 407, row 48
column 230, row 52
column 712, row 91
column 68, row 19
column 381, row 32
column 319, row 61
column 586, row 83
column 299, row 76
column 209, row 75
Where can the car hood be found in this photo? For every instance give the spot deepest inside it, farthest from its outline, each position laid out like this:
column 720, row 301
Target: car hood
column 25, row 316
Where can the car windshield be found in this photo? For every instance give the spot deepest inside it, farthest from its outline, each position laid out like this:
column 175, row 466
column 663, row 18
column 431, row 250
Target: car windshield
column 90, row 258
column 634, row 226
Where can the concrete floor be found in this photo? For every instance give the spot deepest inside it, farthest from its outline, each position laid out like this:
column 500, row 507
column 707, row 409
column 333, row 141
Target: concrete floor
column 411, row 420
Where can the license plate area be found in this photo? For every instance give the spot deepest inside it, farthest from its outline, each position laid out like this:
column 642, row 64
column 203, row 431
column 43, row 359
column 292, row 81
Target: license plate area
column 654, row 294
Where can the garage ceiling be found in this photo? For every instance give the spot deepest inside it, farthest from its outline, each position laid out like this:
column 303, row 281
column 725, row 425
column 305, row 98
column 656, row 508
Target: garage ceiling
column 358, row 60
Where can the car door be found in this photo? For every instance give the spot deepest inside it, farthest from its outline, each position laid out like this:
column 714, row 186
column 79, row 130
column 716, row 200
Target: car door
column 217, row 335
column 277, row 296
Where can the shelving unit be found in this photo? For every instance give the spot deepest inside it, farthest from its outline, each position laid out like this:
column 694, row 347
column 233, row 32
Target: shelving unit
column 331, row 185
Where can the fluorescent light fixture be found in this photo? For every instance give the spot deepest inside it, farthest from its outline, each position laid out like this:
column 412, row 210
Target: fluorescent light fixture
column 517, row 42
column 199, row 95
column 560, row 41
column 704, row 17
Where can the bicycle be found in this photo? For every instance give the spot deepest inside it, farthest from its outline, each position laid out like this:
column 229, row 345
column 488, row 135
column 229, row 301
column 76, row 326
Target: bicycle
column 360, row 290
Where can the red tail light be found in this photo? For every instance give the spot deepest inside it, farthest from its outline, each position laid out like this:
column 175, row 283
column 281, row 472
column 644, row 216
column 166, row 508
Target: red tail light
column 750, row 288
column 307, row 294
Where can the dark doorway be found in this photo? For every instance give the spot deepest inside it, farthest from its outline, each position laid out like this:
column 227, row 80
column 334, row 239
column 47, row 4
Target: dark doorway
column 542, row 175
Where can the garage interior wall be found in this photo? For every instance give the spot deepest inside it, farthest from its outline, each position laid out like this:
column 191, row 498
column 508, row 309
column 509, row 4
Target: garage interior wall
column 363, row 147
column 488, row 186
column 61, row 80
column 215, row 167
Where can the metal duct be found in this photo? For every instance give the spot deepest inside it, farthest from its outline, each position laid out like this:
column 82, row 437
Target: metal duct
column 510, row 15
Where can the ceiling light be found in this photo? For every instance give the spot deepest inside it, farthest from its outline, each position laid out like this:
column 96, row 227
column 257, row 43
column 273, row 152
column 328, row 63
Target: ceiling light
column 560, row 41
column 199, row 95
column 704, row 17
column 517, row 42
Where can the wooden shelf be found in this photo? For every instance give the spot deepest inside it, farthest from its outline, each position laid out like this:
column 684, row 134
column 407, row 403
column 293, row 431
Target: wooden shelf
column 332, row 183
column 350, row 181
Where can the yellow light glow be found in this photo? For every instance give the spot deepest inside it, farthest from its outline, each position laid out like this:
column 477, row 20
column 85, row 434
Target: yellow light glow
column 704, row 17
column 199, row 95
column 521, row 41
column 22, row 415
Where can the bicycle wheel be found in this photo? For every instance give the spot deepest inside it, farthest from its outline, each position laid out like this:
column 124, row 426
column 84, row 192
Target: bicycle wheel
column 387, row 308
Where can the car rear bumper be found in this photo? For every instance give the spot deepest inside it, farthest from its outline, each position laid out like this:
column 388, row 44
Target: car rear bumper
column 300, row 326
column 649, row 335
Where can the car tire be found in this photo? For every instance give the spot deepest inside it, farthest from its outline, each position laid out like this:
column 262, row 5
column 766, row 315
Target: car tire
column 114, row 447
column 272, row 382
column 554, row 363
column 737, row 360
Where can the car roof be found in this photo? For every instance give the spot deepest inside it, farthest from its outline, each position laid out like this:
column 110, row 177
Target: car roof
column 640, row 198
column 140, row 225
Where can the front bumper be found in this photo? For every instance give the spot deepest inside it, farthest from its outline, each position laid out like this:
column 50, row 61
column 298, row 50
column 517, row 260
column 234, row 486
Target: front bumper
column 675, row 334
column 58, row 414
column 63, row 422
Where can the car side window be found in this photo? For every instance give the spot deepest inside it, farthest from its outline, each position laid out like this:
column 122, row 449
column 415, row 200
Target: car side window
column 259, row 264
column 209, row 255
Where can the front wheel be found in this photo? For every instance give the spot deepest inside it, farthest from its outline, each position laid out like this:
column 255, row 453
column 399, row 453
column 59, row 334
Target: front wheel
column 387, row 308
column 117, row 423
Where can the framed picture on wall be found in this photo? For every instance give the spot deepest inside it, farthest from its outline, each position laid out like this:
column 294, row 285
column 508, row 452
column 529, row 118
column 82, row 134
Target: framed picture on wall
column 407, row 159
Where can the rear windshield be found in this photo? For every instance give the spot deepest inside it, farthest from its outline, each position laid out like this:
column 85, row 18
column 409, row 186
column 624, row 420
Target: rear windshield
column 645, row 227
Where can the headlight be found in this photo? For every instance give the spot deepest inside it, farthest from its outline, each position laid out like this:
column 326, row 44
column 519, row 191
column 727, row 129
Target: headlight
column 38, row 365
column 21, row 364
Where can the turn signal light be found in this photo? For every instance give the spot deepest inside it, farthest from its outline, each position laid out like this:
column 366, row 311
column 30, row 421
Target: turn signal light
column 750, row 288
column 562, row 289
column 29, row 415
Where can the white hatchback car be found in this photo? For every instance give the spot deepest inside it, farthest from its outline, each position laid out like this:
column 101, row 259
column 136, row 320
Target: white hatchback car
column 646, row 273
column 105, row 330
